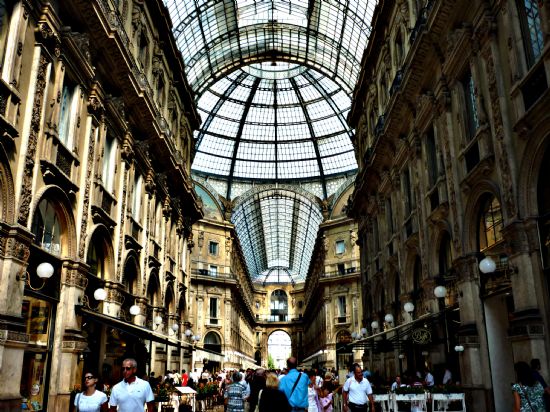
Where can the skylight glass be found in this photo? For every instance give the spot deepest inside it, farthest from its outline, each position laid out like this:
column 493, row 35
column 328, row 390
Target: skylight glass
column 275, row 129
column 277, row 230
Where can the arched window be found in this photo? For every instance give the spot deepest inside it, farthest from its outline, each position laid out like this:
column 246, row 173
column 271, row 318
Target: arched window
column 490, row 222
column 531, row 29
column 279, row 306
column 130, row 276
column 543, row 200
column 46, row 227
column 96, row 256
column 212, row 342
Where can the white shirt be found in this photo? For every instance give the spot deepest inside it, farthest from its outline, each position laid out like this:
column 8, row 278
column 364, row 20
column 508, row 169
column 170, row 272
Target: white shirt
column 358, row 391
column 90, row 403
column 131, row 397
column 447, row 377
column 429, row 379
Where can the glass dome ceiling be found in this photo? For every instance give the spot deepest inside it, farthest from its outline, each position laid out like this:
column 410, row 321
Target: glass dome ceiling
column 291, row 126
column 273, row 81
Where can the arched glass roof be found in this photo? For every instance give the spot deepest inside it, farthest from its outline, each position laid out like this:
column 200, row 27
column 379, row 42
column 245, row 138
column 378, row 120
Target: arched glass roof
column 277, row 230
column 216, row 36
column 273, row 81
column 272, row 129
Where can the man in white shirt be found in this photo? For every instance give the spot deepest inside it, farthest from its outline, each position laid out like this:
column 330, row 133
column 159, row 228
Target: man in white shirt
column 428, row 378
column 357, row 392
column 132, row 393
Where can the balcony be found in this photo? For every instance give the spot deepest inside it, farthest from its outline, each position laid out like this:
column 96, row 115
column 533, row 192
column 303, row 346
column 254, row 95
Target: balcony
column 210, row 274
column 339, row 273
column 278, row 318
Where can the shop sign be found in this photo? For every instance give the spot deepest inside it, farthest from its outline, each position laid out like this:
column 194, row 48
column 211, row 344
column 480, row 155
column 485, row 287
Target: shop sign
column 421, row 336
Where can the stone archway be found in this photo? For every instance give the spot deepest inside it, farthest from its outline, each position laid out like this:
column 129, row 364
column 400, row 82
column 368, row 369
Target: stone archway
column 279, row 348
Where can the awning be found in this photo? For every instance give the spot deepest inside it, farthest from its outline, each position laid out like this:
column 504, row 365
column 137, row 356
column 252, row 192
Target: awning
column 201, row 353
column 396, row 333
column 129, row 328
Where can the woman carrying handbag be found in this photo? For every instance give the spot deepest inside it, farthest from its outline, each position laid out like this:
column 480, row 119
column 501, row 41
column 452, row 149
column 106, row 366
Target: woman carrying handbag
column 528, row 393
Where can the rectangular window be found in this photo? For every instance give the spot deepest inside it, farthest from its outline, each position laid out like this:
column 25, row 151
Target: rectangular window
column 213, row 248
column 213, row 270
column 472, row 119
column 109, row 156
column 341, row 309
column 431, row 154
column 136, row 203
column 68, row 114
column 529, row 14
column 409, row 205
column 340, row 247
column 213, row 311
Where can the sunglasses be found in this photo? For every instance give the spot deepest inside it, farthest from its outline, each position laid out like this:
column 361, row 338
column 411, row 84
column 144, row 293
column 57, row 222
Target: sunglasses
column 88, row 377
column 127, row 368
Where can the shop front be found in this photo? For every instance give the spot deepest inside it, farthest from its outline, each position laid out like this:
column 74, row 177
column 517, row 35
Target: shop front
column 110, row 340
column 38, row 310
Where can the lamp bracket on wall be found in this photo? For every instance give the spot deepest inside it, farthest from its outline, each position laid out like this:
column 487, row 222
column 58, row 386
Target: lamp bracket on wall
column 44, row 271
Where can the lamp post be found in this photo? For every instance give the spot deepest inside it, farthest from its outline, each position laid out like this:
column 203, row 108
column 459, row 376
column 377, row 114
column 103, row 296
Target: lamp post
column 440, row 292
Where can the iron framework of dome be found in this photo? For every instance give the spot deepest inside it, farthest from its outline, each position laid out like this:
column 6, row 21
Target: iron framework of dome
column 273, row 82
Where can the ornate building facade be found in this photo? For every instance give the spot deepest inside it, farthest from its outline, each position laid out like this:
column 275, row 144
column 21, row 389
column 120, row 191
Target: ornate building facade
column 452, row 199
column 96, row 201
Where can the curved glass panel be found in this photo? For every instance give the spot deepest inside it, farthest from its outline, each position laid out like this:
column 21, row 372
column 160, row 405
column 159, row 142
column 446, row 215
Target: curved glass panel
column 277, row 230
column 274, row 128
column 216, row 36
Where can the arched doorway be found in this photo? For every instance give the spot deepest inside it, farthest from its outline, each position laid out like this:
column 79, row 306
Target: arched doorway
column 344, row 353
column 278, row 349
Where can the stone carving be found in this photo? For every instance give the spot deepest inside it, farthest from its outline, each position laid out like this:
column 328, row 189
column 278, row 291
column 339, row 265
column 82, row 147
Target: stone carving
column 500, row 146
column 150, row 184
column 167, row 207
column 26, row 189
column 72, row 277
column 82, row 41
column 127, row 151
column 228, row 206
column 121, row 230
column 86, row 202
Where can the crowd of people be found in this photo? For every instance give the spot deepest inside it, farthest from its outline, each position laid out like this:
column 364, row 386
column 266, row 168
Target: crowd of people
column 289, row 389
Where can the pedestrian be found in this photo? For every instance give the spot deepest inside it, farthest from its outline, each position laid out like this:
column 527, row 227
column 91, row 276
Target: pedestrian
column 528, row 392
column 357, row 392
column 397, row 384
column 535, row 366
column 91, row 399
column 428, row 378
column 257, row 383
column 295, row 386
column 234, row 394
column 326, row 399
column 271, row 399
column 132, row 393
column 447, row 377
column 313, row 404
column 184, row 378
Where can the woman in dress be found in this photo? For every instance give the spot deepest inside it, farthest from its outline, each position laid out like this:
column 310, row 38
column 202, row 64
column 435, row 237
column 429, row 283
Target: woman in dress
column 271, row 399
column 313, row 393
column 326, row 399
column 90, row 399
column 528, row 392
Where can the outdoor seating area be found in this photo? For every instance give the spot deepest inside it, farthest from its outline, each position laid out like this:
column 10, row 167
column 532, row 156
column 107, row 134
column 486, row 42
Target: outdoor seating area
column 418, row 402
